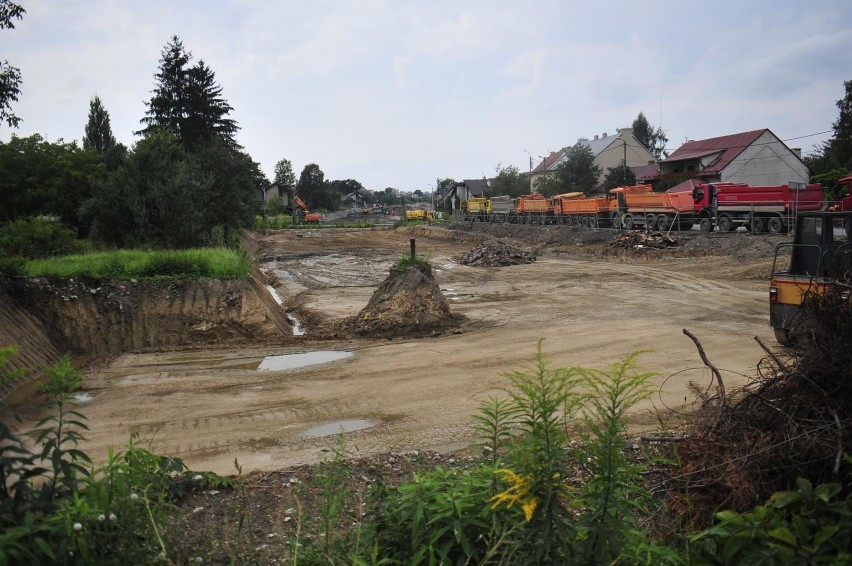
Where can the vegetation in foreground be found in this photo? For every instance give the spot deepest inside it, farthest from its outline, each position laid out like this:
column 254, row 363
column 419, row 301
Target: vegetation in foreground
column 555, row 486
column 201, row 263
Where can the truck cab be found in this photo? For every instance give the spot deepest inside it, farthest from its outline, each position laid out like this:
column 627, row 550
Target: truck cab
column 819, row 256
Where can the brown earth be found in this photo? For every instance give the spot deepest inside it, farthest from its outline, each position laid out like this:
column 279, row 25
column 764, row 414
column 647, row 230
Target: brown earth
column 201, row 397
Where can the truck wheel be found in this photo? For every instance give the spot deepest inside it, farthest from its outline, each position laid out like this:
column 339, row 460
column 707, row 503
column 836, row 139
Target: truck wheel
column 593, row 222
column 616, row 222
column 782, row 335
column 628, row 222
column 706, row 225
column 776, row 225
column 758, row 225
column 663, row 223
column 650, row 223
column 725, row 224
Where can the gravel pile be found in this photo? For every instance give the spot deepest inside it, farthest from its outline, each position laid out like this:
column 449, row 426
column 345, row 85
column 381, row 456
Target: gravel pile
column 494, row 253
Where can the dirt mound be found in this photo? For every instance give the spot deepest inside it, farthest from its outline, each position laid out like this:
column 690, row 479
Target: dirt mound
column 494, row 253
column 408, row 302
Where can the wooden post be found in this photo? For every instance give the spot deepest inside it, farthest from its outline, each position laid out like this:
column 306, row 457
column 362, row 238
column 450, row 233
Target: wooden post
column 411, row 241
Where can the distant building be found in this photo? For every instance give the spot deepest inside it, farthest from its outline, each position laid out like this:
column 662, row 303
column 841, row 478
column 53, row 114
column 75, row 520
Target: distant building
column 757, row 157
column 460, row 192
column 609, row 151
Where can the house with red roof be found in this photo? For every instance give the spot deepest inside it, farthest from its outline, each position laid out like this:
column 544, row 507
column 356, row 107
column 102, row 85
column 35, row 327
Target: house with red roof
column 757, row 157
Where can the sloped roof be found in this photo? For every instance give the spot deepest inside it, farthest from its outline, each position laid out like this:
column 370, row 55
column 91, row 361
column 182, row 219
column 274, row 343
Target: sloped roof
column 729, row 148
column 477, row 187
column 597, row 146
column 550, row 161
column 646, row 172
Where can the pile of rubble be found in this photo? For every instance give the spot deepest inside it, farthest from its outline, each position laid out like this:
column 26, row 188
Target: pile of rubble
column 640, row 240
column 494, row 253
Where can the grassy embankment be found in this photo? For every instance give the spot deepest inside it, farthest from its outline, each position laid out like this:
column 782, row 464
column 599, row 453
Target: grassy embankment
column 198, row 263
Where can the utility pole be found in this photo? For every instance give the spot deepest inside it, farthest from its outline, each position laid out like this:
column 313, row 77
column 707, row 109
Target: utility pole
column 624, row 162
column 530, row 154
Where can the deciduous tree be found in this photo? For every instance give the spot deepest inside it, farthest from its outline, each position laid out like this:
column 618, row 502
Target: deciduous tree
column 10, row 77
column 619, row 176
column 284, row 175
column 510, row 181
column 653, row 140
column 578, row 173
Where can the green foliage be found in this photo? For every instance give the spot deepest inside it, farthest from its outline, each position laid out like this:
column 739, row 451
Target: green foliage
column 332, row 496
column 653, row 140
column 212, row 263
column 12, row 266
column 98, row 133
column 284, row 175
column 38, row 237
column 545, row 400
column 187, row 101
column 44, row 178
column 578, row 173
column 811, row 525
column 612, row 495
column 836, row 153
column 439, row 518
column 60, row 433
column 830, row 189
column 620, row 176
column 10, row 77
column 509, row 181
column 69, row 514
column 407, row 261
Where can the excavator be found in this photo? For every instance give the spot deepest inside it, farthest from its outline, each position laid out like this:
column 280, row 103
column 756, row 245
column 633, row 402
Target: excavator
column 306, row 215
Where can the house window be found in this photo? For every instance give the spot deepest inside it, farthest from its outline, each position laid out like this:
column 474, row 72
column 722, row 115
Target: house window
column 690, row 168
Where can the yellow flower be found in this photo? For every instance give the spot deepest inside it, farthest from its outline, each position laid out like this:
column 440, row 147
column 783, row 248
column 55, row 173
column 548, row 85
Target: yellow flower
column 518, row 491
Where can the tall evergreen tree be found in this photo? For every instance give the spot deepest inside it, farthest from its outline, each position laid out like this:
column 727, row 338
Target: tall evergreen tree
column 206, row 108
column 187, row 100
column 167, row 108
column 98, row 134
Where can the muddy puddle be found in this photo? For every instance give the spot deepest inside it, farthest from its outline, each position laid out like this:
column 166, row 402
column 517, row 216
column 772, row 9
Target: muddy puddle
column 293, row 361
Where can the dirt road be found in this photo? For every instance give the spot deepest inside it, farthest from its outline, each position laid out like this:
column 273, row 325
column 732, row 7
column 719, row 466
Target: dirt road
column 211, row 407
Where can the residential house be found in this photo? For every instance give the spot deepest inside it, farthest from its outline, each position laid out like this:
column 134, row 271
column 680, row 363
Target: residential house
column 276, row 192
column 460, row 192
column 757, row 157
column 609, row 151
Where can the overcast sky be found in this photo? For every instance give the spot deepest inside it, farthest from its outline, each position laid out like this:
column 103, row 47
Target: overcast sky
column 396, row 93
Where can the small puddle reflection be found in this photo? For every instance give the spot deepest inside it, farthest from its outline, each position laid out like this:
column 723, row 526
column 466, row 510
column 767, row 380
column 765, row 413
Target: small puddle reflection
column 274, row 292
column 298, row 330
column 83, row 397
column 293, row 361
column 338, row 427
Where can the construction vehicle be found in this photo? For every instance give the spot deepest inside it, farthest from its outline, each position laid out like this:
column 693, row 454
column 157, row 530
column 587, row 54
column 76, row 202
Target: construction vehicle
column 304, row 214
column 819, row 257
column 420, row 214
column 477, row 209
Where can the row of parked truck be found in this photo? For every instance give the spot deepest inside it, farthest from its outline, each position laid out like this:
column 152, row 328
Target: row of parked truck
column 725, row 206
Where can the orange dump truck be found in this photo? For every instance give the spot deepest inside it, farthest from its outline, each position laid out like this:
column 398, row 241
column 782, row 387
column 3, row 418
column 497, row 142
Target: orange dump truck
column 534, row 209
column 576, row 208
column 638, row 206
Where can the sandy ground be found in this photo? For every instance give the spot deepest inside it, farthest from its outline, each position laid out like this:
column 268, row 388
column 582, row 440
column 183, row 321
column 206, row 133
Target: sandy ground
column 211, row 407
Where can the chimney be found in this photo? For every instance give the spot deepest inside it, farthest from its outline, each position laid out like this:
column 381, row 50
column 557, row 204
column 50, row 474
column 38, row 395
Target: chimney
column 596, row 136
column 797, row 151
column 604, row 134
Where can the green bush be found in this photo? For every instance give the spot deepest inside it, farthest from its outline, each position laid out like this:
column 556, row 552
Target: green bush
column 69, row 513
column 811, row 525
column 37, row 237
column 11, row 266
column 407, row 261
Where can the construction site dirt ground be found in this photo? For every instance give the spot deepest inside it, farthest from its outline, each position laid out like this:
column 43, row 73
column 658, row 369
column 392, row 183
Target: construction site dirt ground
column 586, row 303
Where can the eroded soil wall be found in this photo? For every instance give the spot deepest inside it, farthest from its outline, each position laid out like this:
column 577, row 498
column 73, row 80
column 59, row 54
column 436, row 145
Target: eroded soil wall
column 104, row 318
